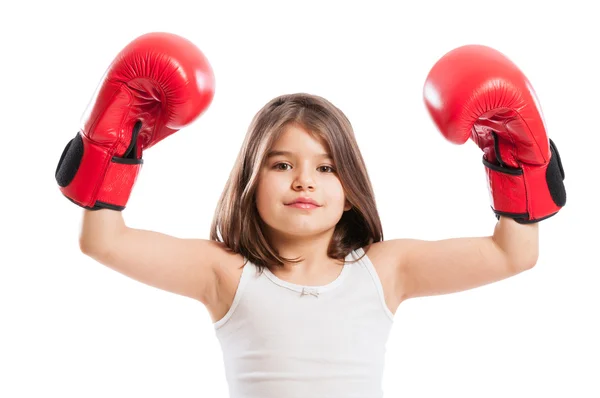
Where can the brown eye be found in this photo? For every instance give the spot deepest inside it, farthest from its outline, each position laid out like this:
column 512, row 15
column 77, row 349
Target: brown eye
column 280, row 164
column 332, row 170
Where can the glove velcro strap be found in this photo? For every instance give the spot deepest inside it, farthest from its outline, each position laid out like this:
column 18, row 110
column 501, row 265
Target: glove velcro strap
column 118, row 183
column 507, row 191
column 528, row 194
column 91, row 177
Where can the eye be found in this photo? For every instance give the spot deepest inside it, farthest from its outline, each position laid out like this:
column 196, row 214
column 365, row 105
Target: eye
column 276, row 166
column 332, row 170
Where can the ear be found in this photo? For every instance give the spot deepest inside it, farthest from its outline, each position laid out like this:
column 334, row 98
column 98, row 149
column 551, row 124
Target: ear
column 347, row 206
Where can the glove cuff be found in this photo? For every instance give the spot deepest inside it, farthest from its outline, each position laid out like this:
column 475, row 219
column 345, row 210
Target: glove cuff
column 92, row 178
column 528, row 194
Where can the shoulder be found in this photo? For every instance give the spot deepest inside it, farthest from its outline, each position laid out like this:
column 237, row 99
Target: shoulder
column 227, row 263
column 387, row 258
column 228, row 267
column 387, row 253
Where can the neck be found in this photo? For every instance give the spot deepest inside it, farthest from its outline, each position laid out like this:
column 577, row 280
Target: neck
column 312, row 250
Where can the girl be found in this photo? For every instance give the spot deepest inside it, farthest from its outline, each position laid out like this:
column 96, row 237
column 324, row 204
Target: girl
column 296, row 276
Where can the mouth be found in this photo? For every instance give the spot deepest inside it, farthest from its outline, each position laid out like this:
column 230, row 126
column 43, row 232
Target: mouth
column 303, row 201
column 302, row 205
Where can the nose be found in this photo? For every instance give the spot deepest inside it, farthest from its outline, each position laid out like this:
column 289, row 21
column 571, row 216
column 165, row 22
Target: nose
column 304, row 179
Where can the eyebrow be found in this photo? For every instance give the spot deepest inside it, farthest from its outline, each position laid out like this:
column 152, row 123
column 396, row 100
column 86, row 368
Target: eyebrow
column 288, row 153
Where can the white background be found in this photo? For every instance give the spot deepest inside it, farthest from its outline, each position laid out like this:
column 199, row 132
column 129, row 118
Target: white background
column 71, row 327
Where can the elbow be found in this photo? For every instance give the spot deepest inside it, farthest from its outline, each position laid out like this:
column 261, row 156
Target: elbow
column 92, row 249
column 527, row 262
column 98, row 231
column 87, row 244
column 532, row 258
column 528, row 265
column 85, row 247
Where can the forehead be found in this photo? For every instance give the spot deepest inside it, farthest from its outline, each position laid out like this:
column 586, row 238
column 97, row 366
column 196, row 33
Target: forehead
column 296, row 139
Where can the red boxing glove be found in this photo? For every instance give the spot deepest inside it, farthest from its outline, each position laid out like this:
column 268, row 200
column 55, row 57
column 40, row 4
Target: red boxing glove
column 476, row 92
column 156, row 85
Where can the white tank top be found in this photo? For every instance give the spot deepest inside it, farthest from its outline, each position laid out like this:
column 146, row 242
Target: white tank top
column 282, row 340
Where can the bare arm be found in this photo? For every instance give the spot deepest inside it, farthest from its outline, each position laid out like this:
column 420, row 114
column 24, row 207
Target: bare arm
column 187, row 267
column 427, row 268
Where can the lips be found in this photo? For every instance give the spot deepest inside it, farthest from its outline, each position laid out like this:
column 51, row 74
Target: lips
column 300, row 205
column 304, row 201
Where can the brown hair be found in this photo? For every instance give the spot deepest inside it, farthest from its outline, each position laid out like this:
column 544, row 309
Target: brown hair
column 236, row 218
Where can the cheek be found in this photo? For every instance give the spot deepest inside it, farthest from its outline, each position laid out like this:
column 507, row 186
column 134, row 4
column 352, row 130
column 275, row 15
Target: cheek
column 336, row 192
column 267, row 188
column 268, row 191
column 261, row 199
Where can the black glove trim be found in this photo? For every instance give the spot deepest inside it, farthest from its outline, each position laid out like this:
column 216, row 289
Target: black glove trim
column 500, row 169
column 555, row 174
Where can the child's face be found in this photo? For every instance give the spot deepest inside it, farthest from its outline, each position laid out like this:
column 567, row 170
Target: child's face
column 302, row 172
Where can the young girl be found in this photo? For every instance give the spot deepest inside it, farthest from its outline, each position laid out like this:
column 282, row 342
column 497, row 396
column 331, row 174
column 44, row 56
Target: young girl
column 297, row 278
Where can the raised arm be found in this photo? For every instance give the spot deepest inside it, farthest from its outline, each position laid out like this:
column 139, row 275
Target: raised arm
column 188, row 267
column 156, row 85
column 429, row 268
column 474, row 92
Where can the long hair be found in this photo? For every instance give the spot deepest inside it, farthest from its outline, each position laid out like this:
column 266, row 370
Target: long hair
column 236, row 221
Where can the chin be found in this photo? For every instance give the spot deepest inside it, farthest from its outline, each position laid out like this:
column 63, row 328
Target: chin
column 299, row 229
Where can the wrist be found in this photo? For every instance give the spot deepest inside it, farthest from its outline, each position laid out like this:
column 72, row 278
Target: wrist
column 528, row 194
column 91, row 177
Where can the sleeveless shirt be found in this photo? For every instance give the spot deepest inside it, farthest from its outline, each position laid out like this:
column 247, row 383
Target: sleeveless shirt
column 283, row 340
